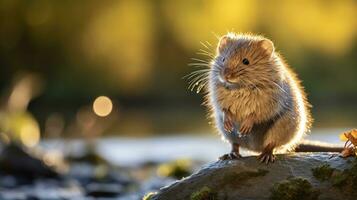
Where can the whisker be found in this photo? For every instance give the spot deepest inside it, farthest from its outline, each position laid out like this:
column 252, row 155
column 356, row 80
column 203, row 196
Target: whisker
column 203, row 44
column 199, row 64
column 198, row 83
column 206, row 54
column 216, row 35
column 209, row 44
column 280, row 87
column 199, row 88
column 197, row 78
column 204, row 51
column 199, row 73
column 196, row 73
column 200, row 60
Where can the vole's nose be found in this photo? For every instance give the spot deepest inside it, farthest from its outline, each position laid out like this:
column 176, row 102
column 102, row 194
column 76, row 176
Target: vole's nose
column 227, row 74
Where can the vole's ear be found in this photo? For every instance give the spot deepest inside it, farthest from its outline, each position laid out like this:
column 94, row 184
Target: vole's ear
column 267, row 46
column 223, row 41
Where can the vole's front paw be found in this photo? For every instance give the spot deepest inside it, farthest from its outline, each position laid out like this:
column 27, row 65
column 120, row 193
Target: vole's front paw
column 228, row 121
column 228, row 125
column 230, row 156
column 246, row 127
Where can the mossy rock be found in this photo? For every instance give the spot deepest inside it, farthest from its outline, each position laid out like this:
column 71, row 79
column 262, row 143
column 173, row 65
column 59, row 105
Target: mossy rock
column 246, row 178
column 346, row 179
column 294, row 189
column 243, row 176
column 204, row 193
column 343, row 179
column 322, row 172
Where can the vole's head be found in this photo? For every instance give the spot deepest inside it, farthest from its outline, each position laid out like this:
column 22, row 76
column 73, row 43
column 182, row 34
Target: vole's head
column 245, row 61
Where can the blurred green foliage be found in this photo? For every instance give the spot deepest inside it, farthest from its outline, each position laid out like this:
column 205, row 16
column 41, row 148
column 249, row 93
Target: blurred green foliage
column 177, row 169
column 137, row 51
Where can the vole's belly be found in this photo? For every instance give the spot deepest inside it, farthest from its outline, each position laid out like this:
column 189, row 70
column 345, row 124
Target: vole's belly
column 279, row 130
column 253, row 141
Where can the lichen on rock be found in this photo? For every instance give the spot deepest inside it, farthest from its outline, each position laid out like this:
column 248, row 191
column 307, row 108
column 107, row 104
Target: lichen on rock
column 346, row 179
column 205, row 193
column 244, row 176
column 294, row 189
column 343, row 179
column 322, row 172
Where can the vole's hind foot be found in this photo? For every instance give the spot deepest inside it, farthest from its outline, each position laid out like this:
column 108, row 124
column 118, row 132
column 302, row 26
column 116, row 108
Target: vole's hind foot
column 267, row 155
column 230, row 156
column 266, row 158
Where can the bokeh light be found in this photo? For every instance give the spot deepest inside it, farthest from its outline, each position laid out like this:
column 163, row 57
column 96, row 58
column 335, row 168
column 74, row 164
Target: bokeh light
column 30, row 134
column 4, row 138
column 102, row 106
column 21, row 127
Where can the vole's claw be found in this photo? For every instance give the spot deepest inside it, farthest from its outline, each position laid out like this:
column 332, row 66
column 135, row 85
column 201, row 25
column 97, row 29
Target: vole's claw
column 228, row 126
column 266, row 158
column 230, row 156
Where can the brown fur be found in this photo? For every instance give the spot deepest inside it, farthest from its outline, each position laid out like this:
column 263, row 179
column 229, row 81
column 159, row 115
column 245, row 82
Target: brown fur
column 266, row 90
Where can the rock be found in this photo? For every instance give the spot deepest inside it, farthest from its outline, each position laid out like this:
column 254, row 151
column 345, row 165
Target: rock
column 103, row 189
column 86, row 174
column 290, row 177
column 90, row 156
column 154, row 184
column 14, row 160
column 44, row 189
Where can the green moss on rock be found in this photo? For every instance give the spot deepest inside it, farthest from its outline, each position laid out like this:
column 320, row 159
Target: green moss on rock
column 347, row 179
column 294, row 189
column 323, row 172
column 339, row 179
column 244, row 176
column 205, row 193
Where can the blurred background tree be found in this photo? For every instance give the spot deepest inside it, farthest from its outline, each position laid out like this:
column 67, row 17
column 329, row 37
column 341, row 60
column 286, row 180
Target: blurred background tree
column 136, row 53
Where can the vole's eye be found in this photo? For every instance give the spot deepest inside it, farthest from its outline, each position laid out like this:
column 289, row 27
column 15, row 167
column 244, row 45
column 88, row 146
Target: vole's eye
column 245, row 61
column 223, row 59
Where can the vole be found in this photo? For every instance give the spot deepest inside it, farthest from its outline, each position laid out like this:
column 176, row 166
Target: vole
column 255, row 99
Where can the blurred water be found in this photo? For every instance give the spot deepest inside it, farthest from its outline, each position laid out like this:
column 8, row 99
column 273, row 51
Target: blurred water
column 126, row 151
